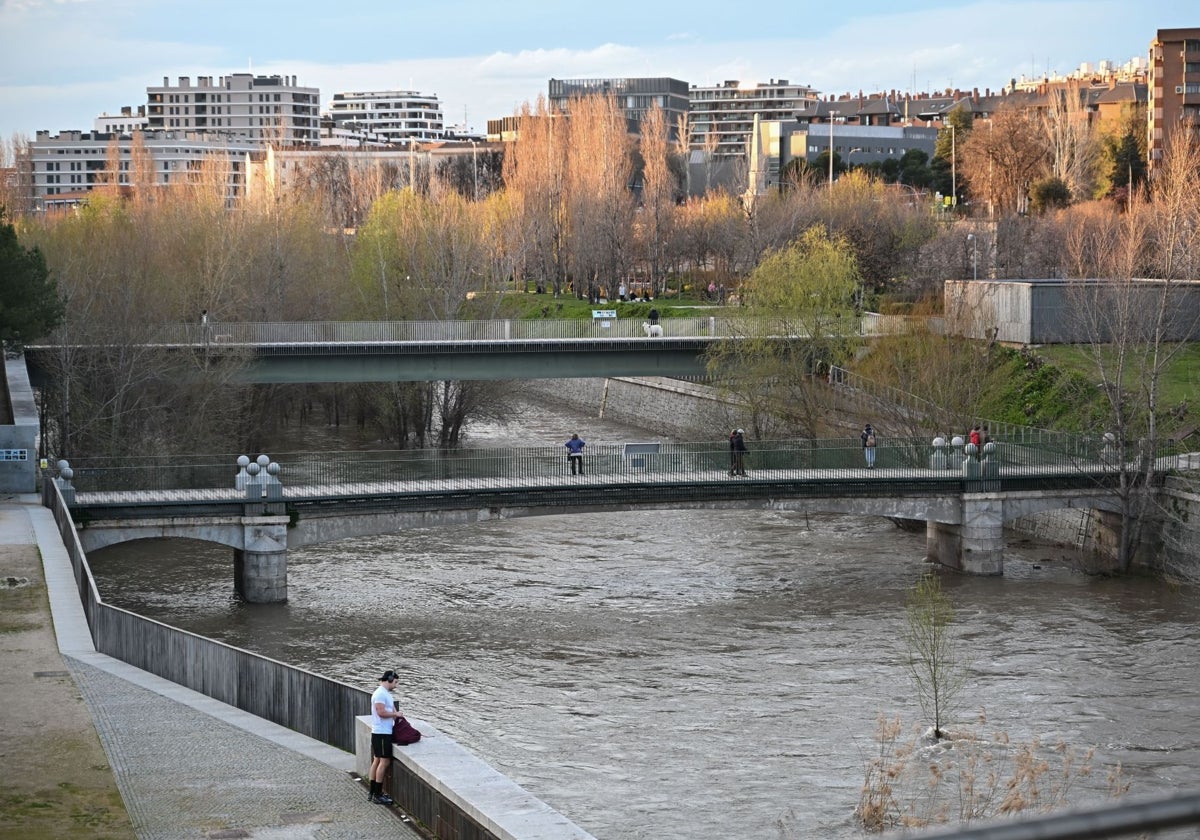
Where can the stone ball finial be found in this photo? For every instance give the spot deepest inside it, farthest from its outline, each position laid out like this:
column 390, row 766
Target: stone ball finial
column 67, row 473
column 957, row 440
column 939, row 441
column 62, row 465
column 1109, row 437
column 263, row 460
column 273, row 468
column 243, row 461
column 253, row 469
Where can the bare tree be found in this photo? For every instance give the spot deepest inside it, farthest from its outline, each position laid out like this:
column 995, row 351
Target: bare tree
column 1001, row 161
column 1074, row 148
column 659, row 188
column 535, row 175
column 1134, row 327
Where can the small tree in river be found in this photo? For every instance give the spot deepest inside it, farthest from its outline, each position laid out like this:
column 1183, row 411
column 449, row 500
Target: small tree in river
column 933, row 662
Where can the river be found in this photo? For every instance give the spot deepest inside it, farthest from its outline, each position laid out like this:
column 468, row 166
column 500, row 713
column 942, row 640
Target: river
column 675, row 674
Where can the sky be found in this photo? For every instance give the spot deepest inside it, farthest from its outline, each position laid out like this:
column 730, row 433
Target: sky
column 63, row 62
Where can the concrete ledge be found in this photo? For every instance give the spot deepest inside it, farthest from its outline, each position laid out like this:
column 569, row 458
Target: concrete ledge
column 496, row 806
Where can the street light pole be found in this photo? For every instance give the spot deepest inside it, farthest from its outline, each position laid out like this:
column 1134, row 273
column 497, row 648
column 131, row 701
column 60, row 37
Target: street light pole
column 953, row 172
column 475, row 169
column 832, row 114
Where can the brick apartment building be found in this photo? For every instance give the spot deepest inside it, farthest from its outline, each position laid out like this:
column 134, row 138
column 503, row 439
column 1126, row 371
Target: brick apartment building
column 1174, row 87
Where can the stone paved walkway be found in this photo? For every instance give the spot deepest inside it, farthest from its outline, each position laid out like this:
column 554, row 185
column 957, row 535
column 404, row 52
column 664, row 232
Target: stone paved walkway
column 186, row 765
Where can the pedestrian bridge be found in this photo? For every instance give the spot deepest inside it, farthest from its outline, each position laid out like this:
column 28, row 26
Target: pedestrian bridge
column 263, row 508
column 403, row 351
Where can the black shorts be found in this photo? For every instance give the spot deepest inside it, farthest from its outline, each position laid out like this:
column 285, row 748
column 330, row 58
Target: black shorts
column 381, row 745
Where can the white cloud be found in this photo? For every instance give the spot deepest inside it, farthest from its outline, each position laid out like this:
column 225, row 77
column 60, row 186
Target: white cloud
column 64, row 61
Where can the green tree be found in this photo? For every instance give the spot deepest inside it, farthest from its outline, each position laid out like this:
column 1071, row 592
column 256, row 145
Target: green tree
column 30, row 305
column 947, row 164
column 937, row 672
column 798, row 316
column 1049, row 194
column 1122, row 161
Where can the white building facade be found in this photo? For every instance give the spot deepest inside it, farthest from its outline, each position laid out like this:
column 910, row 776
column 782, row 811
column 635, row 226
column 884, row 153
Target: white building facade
column 66, row 167
column 393, row 116
column 261, row 109
column 722, row 116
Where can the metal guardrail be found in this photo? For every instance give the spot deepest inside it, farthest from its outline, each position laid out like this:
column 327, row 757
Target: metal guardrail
column 1121, row 820
column 1056, row 457
column 351, row 332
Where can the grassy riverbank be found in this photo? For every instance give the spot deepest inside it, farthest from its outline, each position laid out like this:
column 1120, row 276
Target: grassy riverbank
column 57, row 780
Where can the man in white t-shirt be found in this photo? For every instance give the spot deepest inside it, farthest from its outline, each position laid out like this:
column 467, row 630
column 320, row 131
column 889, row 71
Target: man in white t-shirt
column 383, row 718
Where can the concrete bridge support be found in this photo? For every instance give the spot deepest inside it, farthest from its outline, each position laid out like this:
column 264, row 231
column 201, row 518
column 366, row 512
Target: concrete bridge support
column 977, row 545
column 260, row 568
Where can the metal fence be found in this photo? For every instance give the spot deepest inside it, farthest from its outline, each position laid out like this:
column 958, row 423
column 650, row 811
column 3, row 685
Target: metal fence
column 1032, row 455
column 1124, row 819
column 352, row 332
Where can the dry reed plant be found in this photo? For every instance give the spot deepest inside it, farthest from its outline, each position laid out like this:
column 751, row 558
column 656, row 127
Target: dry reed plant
column 964, row 777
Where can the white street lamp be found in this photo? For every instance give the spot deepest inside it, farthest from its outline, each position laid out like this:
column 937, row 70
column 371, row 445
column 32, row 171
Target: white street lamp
column 954, row 173
column 475, row 169
column 832, row 114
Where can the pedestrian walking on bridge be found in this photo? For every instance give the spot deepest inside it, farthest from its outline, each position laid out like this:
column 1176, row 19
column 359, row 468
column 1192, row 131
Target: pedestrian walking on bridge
column 575, row 453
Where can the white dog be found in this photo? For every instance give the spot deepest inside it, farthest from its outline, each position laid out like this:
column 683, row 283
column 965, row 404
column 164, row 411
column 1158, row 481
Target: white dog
column 652, row 330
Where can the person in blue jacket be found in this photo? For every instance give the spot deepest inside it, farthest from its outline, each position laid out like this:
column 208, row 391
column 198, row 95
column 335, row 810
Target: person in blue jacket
column 575, row 454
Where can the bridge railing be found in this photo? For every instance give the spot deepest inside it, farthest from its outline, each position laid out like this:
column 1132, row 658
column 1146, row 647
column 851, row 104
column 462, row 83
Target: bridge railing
column 831, row 459
column 364, row 332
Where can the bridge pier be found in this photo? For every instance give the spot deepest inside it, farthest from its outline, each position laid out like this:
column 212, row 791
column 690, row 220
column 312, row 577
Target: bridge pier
column 977, row 545
column 260, row 569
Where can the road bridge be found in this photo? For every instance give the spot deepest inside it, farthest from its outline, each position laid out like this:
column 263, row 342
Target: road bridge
column 266, row 508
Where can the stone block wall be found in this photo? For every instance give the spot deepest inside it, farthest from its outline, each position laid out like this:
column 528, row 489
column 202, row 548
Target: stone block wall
column 660, row 405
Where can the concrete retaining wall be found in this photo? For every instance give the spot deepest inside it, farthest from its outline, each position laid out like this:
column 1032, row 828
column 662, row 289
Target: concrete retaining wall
column 1171, row 542
column 456, row 795
column 18, row 439
column 452, row 792
column 660, row 405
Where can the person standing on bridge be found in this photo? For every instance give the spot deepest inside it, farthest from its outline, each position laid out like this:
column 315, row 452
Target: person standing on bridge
column 575, row 453
column 868, row 444
column 383, row 718
column 653, row 317
column 737, row 452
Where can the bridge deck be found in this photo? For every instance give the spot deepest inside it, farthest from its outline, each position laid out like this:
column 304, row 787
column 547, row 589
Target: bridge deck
column 839, row 481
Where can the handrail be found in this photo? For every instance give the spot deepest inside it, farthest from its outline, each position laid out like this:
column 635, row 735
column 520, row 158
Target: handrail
column 836, row 459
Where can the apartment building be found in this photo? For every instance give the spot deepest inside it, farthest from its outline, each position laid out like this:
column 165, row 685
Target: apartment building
column 722, row 116
column 390, row 116
column 126, row 122
column 262, row 109
column 66, row 167
column 1174, row 87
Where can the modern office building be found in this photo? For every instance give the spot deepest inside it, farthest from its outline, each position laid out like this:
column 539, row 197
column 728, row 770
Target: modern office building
column 393, row 116
column 635, row 96
column 722, row 116
column 262, row 109
column 777, row 142
column 1174, row 87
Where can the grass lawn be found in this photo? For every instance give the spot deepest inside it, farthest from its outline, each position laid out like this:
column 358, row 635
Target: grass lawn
column 1180, row 383
column 526, row 305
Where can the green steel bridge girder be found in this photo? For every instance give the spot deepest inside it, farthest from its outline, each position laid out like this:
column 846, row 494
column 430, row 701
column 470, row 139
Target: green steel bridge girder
column 482, row 361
